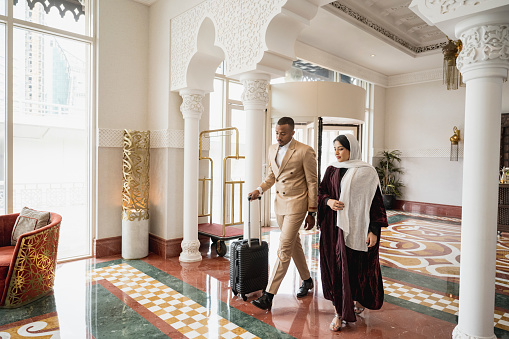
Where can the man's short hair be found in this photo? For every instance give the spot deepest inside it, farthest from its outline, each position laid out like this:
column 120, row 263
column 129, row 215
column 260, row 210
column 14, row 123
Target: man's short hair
column 287, row 121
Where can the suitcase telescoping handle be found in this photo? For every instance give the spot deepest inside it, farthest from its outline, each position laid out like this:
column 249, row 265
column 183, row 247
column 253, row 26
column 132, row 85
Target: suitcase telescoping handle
column 249, row 220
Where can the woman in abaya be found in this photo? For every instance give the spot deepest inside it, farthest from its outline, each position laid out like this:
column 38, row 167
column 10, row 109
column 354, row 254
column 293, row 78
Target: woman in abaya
column 350, row 216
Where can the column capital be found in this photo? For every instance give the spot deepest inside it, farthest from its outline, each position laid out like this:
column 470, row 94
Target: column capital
column 485, row 50
column 255, row 95
column 192, row 106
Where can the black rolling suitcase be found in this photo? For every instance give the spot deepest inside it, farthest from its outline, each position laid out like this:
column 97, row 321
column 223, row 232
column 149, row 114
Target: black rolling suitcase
column 249, row 262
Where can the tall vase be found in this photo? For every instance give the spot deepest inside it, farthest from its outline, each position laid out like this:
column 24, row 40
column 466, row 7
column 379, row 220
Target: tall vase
column 135, row 190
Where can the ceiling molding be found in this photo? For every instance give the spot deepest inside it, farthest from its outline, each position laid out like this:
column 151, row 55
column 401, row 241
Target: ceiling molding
column 415, row 78
column 146, row 2
column 332, row 62
column 420, row 30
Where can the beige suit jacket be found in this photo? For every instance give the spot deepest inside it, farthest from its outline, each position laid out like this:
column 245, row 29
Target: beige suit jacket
column 296, row 180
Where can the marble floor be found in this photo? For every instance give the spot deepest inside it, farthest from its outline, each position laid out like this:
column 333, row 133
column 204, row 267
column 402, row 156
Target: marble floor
column 157, row 298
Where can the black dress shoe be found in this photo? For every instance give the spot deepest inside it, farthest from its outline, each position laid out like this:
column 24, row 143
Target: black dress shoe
column 264, row 302
column 305, row 287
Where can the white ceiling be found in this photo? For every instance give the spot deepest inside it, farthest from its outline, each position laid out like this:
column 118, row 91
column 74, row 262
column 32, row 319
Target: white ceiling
column 340, row 34
column 400, row 41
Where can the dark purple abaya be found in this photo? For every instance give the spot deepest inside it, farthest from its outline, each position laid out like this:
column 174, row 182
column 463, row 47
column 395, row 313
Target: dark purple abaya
column 347, row 274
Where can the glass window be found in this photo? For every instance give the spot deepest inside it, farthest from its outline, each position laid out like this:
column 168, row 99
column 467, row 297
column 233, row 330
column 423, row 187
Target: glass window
column 224, row 113
column 50, row 132
column 72, row 21
column 2, row 7
column 235, row 91
column 2, row 115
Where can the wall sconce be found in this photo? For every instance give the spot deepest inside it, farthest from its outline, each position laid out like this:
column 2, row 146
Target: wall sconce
column 135, row 189
column 452, row 76
column 454, row 144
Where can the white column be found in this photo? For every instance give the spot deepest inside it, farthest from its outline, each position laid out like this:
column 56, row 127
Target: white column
column 192, row 110
column 254, row 98
column 484, row 63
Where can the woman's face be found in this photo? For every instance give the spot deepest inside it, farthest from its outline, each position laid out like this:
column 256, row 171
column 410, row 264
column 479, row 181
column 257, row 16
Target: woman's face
column 342, row 154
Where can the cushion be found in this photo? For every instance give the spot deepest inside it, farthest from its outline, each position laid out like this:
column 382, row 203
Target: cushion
column 29, row 220
column 23, row 225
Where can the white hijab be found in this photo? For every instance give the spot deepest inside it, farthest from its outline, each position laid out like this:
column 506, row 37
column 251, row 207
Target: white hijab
column 358, row 187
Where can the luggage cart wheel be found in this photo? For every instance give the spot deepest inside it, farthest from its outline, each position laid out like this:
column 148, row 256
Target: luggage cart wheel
column 221, row 248
column 243, row 297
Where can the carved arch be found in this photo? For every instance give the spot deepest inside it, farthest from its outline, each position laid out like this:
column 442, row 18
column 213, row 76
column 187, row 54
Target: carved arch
column 208, row 56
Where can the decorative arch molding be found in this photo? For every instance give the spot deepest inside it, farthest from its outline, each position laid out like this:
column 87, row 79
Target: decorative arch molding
column 252, row 35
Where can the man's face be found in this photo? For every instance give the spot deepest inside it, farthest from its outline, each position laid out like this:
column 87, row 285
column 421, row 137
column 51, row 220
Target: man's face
column 284, row 134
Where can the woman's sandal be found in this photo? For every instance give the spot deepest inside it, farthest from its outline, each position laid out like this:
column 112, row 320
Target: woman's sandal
column 358, row 309
column 335, row 325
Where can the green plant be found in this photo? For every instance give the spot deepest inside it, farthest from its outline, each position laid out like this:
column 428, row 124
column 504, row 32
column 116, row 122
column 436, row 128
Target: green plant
column 388, row 171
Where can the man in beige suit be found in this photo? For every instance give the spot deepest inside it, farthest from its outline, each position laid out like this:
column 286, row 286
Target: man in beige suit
column 292, row 167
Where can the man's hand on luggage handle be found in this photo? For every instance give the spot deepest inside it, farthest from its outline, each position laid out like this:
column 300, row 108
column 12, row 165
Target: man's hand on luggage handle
column 309, row 222
column 254, row 195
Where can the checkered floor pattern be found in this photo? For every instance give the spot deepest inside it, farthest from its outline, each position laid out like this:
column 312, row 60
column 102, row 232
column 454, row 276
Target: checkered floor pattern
column 188, row 317
column 436, row 301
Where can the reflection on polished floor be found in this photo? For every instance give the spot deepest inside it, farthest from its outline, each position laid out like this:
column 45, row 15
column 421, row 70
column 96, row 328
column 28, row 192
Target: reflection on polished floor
column 157, row 298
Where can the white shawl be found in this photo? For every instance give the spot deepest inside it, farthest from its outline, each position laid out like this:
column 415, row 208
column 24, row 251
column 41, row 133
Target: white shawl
column 358, row 187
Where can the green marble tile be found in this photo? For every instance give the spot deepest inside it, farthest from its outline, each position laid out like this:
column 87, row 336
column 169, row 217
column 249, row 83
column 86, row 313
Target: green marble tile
column 39, row 307
column 435, row 284
column 439, row 285
column 232, row 314
column 422, row 309
column 109, row 317
column 408, row 277
column 400, row 217
column 500, row 333
column 396, row 218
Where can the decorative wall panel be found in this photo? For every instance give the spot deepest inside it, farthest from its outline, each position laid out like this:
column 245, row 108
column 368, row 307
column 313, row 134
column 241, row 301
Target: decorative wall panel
column 110, row 137
column 424, row 152
column 169, row 138
column 240, row 32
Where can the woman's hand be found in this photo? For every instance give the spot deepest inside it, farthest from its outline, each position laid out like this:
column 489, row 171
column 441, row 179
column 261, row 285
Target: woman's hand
column 371, row 240
column 335, row 205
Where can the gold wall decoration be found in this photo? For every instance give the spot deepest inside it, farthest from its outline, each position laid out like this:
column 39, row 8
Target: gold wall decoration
column 454, row 143
column 136, row 165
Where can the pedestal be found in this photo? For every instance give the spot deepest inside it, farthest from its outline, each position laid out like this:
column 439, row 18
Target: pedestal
column 134, row 239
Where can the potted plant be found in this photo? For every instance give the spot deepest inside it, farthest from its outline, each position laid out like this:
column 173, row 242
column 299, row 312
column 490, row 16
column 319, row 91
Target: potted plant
column 388, row 172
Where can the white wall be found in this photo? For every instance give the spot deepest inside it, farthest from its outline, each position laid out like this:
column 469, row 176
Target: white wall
column 378, row 120
column 419, row 121
column 122, row 80
column 166, row 169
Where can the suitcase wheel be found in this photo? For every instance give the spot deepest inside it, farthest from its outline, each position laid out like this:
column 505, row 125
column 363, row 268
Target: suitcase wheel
column 243, row 297
column 221, row 248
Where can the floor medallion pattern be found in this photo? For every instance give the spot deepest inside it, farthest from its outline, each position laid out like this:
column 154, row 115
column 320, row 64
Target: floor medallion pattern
column 432, row 246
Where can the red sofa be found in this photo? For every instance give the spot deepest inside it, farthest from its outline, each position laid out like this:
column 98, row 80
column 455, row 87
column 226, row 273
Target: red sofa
column 27, row 270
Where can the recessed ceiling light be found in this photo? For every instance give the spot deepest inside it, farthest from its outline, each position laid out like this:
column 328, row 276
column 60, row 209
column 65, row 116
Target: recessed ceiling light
column 372, row 55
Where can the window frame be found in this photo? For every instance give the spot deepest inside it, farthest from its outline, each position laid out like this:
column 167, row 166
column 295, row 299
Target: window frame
column 10, row 23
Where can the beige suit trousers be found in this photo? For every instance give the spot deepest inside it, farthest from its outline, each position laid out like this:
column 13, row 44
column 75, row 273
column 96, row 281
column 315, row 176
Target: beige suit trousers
column 289, row 248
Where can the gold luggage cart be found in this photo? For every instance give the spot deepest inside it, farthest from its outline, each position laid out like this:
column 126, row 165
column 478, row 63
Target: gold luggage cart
column 219, row 233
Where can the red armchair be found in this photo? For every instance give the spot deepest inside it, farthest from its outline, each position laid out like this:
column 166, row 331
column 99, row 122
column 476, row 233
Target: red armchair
column 27, row 270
